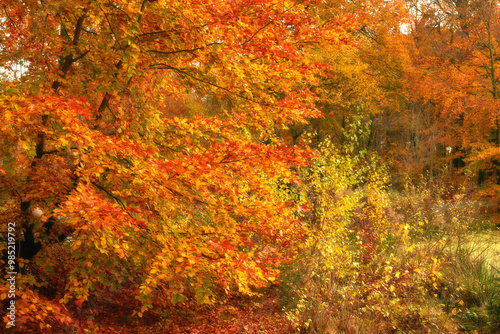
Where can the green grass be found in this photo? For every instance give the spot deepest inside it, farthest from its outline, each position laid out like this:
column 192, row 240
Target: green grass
column 486, row 245
column 474, row 280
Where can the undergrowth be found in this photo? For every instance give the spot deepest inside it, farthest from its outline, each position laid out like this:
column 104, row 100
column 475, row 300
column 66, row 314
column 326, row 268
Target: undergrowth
column 381, row 261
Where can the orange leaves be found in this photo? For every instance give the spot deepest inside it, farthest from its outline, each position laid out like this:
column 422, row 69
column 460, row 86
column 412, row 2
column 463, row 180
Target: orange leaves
column 119, row 251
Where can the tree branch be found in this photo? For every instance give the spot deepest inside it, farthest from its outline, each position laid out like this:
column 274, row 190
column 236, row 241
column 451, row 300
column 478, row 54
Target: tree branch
column 168, row 67
column 185, row 50
column 78, row 28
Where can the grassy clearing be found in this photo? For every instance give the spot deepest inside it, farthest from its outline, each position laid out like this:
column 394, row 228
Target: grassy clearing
column 485, row 245
column 474, row 278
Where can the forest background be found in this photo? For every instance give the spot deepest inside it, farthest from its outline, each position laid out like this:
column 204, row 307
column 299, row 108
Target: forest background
column 250, row 166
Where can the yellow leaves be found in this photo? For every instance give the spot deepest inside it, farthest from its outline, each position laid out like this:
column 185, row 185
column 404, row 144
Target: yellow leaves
column 25, row 145
column 62, row 141
column 145, row 289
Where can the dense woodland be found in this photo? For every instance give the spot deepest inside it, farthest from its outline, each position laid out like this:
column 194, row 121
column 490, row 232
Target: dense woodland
column 250, row 166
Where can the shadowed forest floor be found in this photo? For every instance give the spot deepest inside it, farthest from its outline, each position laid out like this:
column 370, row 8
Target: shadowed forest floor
column 252, row 315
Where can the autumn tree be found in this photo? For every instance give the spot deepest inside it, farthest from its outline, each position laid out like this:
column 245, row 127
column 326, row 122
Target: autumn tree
column 455, row 77
column 435, row 65
column 367, row 79
column 137, row 129
column 350, row 86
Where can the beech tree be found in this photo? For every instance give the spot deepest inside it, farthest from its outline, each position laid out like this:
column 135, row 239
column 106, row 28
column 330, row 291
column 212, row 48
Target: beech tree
column 137, row 128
